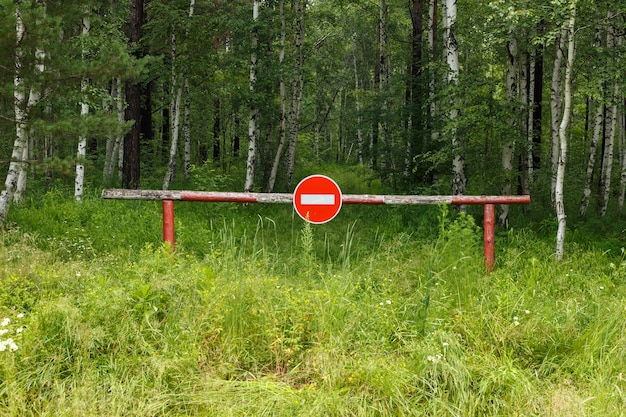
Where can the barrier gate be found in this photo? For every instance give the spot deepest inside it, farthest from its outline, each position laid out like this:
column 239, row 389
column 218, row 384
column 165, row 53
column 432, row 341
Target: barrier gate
column 168, row 197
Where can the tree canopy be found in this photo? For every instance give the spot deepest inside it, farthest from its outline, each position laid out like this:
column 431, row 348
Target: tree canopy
column 426, row 96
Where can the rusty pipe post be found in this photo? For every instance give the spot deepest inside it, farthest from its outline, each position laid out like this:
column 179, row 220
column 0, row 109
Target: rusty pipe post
column 168, row 223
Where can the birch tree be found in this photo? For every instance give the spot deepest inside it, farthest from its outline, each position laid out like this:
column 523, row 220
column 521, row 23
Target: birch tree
column 84, row 112
column 254, row 111
column 555, row 109
column 591, row 161
column 180, row 84
column 20, row 120
column 283, row 101
column 21, row 105
column 512, row 78
column 114, row 141
column 459, row 180
column 563, row 133
column 297, row 89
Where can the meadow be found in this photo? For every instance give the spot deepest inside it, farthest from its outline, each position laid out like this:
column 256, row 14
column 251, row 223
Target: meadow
column 385, row 311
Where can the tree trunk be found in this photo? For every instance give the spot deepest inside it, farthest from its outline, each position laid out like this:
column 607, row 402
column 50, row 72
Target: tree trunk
column 132, row 142
column 187, row 132
column 563, row 131
column 607, row 160
column 611, row 116
column 591, row 162
column 84, row 112
column 459, row 180
column 555, row 109
column 537, row 107
column 21, row 138
column 297, row 90
column 414, row 94
column 512, row 77
column 357, row 99
column 622, row 154
column 113, row 142
column 283, row 103
column 177, row 93
column 254, row 111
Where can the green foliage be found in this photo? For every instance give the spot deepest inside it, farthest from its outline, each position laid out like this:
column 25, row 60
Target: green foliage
column 259, row 313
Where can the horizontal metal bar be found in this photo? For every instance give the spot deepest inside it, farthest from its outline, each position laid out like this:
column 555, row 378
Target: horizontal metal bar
column 241, row 197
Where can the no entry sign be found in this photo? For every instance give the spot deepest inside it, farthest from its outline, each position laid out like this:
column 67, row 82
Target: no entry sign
column 317, row 199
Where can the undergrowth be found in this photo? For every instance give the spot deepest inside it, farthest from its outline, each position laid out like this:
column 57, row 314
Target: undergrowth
column 258, row 313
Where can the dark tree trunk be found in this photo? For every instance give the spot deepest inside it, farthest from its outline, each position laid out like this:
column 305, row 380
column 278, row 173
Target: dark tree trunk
column 236, row 137
column 216, row 131
column 417, row 14
column 165, row 141
column 132, row 142
column 537, row 105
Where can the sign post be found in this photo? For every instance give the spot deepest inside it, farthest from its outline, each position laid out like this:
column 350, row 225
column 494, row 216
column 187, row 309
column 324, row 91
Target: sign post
column 317, row 199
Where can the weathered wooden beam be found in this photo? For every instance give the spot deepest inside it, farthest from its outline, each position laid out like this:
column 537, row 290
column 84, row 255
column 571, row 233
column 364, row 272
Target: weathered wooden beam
column 240, row 197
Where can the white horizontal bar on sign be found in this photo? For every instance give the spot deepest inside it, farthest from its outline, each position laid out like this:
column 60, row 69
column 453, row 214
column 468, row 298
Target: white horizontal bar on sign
column 317, row 199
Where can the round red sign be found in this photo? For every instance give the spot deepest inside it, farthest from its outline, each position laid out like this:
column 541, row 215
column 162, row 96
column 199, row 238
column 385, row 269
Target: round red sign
column 317, row 199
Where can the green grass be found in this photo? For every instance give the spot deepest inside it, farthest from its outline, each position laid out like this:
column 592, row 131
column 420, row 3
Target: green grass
column 379, row 313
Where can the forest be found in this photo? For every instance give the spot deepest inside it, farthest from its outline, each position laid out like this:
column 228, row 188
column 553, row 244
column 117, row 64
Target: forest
column 384, row 311
column 504, row 97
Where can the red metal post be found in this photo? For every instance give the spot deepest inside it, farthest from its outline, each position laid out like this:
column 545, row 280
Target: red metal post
column 489, row 232
column 168, row 223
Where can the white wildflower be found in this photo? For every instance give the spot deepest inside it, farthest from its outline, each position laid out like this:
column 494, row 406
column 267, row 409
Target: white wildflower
column 5, row 322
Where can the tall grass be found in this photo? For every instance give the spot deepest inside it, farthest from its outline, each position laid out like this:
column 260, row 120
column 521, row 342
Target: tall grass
column 258, row 313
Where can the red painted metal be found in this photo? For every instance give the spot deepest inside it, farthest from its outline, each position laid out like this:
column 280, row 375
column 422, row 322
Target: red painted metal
column 168, row 222
column 484, row 199
column 168, row 198
column 489, row 235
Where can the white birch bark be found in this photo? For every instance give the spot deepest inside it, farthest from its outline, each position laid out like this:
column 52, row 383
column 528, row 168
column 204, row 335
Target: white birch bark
column 452, row 58
column 187, row 131
column 179, row 82
column 383, row 87
column 563, row 132
column 432, row 22
column 20, row 129
column 283, row 103
column 177, row 93
column 609, row 146
column 527, row 88
column 254, row 111
column 187, row 111
column 512, row 77
column 357, row 99
column 84, row 112
column 297, row 90
column 591, row 161
column 611, row 121
column 114, row 141
column 33, row 98
column 555, row 109
column 622, row 154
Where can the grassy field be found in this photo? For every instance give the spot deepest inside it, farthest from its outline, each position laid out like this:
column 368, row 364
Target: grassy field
column 382, row 312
